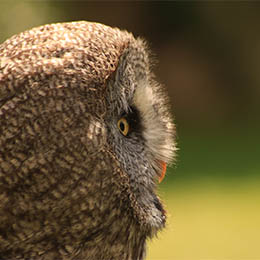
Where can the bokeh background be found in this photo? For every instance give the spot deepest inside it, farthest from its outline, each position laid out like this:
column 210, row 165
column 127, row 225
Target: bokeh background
column 208, row 56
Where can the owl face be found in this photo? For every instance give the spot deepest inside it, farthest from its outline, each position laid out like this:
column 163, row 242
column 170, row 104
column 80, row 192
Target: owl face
column 140, row 129
column 85, row 134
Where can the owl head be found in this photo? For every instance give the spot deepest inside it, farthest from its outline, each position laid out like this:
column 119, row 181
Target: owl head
column 85, row 134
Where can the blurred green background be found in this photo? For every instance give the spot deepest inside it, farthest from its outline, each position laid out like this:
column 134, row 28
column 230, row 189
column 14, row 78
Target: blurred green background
column 209, row 58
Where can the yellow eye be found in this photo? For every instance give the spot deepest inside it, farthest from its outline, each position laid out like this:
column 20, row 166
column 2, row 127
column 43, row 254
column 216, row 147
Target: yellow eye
column 123, row 126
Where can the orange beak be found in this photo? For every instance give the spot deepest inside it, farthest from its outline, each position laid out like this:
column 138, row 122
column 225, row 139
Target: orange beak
column 164, row 166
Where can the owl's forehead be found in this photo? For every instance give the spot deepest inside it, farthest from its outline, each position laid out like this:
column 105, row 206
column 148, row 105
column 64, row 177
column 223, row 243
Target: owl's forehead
column 90, row 50
column 87, row 59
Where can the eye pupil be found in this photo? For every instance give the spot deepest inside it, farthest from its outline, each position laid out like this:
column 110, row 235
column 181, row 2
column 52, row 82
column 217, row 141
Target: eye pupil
column 122, row 126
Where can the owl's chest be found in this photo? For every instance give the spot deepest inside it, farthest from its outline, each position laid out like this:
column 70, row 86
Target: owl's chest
column 119, row 237
column 121, row 245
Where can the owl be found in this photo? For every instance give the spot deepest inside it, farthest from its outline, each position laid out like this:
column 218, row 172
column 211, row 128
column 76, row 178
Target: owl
column 85, row 136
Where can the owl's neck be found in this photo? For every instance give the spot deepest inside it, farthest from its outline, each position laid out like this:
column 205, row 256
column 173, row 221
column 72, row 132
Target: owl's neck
column 70, row 213
column 120, row 239
column 122, row 242
column 88, row 227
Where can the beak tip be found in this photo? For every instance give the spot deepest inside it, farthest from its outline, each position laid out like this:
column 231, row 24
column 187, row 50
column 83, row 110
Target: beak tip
column 163, row 166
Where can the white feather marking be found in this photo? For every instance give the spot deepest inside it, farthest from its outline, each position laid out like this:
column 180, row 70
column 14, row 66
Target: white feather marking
column 158, row 129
